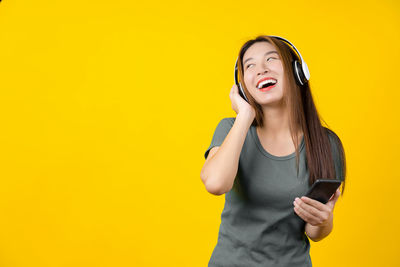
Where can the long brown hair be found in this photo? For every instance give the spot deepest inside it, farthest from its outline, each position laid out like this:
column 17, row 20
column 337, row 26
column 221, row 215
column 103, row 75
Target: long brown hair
column 302, row 115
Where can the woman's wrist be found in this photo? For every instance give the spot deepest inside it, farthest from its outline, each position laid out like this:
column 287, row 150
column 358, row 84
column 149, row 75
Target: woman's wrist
column 245, row 116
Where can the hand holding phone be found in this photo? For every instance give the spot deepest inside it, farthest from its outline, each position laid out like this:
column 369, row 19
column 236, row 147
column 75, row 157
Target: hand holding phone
column 323, row 189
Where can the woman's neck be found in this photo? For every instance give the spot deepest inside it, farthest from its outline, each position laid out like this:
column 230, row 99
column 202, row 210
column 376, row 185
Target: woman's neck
column 276, row 122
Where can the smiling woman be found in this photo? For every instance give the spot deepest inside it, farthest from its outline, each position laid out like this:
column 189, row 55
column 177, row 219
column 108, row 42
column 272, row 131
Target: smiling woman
column 267, row 158
column 297, row 99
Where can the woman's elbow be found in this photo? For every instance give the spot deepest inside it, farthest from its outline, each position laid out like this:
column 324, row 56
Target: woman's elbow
column 212, row 186
column 315, row 239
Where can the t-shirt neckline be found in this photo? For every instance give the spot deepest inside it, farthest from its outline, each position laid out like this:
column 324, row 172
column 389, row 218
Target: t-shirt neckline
column 266, row 153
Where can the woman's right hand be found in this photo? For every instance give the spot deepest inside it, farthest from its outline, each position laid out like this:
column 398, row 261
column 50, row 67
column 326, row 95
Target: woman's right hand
column 239, row 104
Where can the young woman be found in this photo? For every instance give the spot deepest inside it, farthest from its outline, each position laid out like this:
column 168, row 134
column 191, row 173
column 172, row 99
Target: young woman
column 266, row 158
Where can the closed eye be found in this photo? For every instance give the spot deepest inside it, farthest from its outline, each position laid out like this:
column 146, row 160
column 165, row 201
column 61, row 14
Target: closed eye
column 253, row 64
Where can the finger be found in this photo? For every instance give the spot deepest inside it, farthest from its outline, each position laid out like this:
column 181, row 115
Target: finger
column 235, row 88
column 336, row 195
column 296, row 210
column 338, row 192
column 315, row 203
column 231, row 94
column 307, row 207
column 331, row 203
column 305, row 215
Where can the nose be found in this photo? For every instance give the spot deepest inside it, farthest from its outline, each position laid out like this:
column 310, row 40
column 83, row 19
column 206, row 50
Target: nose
column 263, row 69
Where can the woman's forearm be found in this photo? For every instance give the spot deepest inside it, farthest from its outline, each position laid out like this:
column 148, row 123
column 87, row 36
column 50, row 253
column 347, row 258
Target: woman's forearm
column 317, row 233
column 220, row 171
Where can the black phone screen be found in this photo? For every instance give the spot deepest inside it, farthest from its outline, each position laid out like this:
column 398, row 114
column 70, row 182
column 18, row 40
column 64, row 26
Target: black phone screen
column 323, row 189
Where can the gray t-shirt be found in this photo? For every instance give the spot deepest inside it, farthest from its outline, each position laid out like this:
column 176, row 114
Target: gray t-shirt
column 258, row 224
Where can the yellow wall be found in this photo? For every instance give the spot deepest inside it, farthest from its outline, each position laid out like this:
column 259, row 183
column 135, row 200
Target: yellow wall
column 107, row 108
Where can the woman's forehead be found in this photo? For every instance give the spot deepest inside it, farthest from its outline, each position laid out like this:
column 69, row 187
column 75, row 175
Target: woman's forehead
column 258, row 48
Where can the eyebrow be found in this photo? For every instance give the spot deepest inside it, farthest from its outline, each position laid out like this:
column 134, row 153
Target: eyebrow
column 270, row 52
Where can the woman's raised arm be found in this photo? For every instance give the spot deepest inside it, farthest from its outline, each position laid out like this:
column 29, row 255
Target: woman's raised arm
column 219, row 170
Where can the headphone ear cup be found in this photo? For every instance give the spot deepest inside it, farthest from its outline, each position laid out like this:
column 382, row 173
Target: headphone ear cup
column 298, row 73
column 242, row 93
column 238, row 84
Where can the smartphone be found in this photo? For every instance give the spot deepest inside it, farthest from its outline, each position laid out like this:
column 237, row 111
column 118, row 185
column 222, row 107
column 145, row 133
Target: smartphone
column 323, row 189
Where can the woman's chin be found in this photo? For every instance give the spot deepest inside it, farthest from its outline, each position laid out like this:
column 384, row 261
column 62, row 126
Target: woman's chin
column 269, row 101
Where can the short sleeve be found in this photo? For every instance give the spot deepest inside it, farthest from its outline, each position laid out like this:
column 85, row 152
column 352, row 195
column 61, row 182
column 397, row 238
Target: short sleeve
column 335, row 143
column 222, row 130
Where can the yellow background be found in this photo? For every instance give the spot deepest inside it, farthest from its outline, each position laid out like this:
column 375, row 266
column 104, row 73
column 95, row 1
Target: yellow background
column 107, row 108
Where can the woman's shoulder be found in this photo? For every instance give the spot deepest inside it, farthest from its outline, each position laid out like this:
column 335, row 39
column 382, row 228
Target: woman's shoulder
column 228, row 120
column 330, row 132
column 333, row 137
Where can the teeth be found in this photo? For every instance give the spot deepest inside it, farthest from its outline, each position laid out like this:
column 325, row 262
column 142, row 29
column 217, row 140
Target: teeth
column 264, row 82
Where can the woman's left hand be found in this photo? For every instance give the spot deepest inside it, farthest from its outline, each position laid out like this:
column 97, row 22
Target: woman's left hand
column 315, row 212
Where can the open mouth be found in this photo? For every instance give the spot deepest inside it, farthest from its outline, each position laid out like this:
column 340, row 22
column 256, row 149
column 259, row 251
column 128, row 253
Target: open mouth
column 267, row 85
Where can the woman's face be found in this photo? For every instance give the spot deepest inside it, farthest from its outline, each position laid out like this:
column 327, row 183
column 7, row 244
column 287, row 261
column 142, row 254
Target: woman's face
column 261, row 61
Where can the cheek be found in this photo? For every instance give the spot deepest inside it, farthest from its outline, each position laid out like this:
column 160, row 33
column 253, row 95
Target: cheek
column 248, row 80
column 278, row 68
